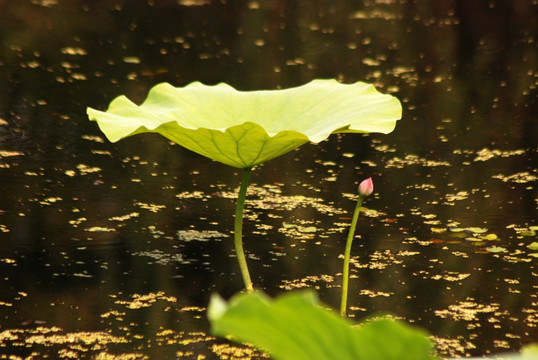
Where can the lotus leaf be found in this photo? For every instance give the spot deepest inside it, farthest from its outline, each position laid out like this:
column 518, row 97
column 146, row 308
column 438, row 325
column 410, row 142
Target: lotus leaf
column 246, row 128
column 295, row 326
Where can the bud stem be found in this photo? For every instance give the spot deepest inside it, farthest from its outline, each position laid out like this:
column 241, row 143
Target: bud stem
column 347, row 254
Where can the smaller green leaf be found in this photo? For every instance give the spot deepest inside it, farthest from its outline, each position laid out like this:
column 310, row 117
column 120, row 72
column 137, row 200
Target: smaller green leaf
column 476, row 230
column 295, row 327
column 490, row 237
column 495, row 249
column 533, row 246
column 474, row 239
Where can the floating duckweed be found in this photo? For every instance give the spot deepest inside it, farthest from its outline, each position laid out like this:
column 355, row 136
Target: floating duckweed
column 69, row 50
column 77, row 222
column 296, row 233
column 84, row 337
column 124, row 217
column 411, row 159
column 151, row 207
column 124, row 356
column 193, row 195
column 141, row 301
column 86, row 169
column 113, row 313
column 131, row 60
column 6, row 153
column 521, row 178
column 162, row 258
column 407, row 253
column 486, row 154
column 193, row 2
column 99, row 229
column 374, row 14
column 227, row 351
column 101, row 152
column 50, row 200
column 467, row 310
column 454, row 347
column 270, row 198
column 192, row 309
column 197, row 235
column 451, row 276
column 307, row 282
column 450, row 198
column 93, row 138
column 373, row 293
column 380, row 260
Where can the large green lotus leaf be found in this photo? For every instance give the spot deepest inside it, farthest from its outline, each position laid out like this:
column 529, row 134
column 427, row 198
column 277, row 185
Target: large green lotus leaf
column 245, row 128
column 295, row 327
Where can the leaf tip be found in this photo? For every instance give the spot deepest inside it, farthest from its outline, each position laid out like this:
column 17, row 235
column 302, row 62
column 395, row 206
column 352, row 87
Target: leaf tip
column 217, row 307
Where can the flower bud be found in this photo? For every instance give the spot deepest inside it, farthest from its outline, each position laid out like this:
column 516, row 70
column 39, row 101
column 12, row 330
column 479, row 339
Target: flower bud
column 366, row 187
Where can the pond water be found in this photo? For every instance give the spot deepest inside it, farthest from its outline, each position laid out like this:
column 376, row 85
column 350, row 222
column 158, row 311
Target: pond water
column 111, row 251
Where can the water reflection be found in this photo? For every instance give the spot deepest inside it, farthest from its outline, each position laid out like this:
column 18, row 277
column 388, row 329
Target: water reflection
column 90, row 254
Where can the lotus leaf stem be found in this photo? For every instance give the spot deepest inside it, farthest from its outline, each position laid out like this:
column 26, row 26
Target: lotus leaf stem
column 345, row 271
column 238, row 229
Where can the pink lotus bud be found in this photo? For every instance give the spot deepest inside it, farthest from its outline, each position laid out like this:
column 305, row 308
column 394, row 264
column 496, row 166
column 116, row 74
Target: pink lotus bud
column 366, row 187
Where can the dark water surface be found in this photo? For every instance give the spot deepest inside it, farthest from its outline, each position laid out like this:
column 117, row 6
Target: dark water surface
column 111, row 251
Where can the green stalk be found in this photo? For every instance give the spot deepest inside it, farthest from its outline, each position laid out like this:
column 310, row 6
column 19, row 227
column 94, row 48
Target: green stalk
column 238, row 229
column 347, row 254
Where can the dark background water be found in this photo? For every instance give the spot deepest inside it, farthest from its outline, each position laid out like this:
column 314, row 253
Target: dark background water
column 91, row 262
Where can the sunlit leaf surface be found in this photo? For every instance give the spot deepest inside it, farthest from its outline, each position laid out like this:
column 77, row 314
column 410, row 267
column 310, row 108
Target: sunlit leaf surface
column 296, row 327
column 243, row 129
